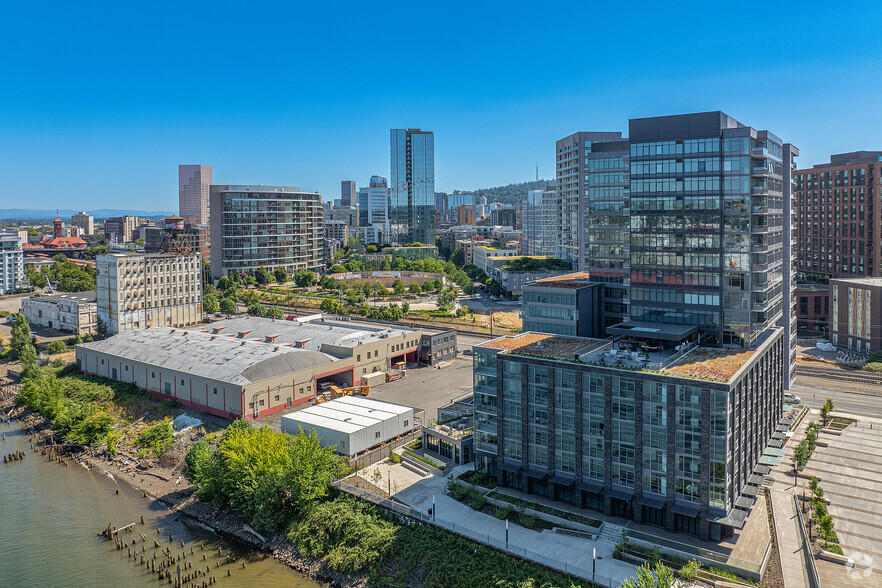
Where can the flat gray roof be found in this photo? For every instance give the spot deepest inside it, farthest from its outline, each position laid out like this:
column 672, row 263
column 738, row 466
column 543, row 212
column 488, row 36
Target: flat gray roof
column 75, row 296
column 347, row 414
column 315, row 333
column 196, row 351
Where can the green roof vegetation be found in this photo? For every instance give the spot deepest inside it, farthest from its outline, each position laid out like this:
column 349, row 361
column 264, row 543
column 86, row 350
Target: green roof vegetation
column 523, row 265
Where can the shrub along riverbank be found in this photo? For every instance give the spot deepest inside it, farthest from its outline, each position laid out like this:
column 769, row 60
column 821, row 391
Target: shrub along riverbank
column 281, row 482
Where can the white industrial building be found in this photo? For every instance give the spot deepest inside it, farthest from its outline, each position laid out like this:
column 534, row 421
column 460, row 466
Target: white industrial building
column 351, row 423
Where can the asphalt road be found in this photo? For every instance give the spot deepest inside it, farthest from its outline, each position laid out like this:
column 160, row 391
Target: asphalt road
column 814, row 395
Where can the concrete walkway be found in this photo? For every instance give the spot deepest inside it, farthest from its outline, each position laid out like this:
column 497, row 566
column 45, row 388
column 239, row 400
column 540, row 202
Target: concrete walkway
column 565, row 553
column 786, row 524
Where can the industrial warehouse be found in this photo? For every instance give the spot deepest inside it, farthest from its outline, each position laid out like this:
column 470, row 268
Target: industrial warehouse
column 241, row 368
column 351, row 424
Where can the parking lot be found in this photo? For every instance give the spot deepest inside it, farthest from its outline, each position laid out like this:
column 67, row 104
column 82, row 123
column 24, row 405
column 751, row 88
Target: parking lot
column 424, row 389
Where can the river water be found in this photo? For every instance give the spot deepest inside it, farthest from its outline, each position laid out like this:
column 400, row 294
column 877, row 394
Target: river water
column 51, row 517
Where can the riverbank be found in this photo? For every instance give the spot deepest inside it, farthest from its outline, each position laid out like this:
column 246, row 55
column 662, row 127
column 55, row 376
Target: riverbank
column 164, row 483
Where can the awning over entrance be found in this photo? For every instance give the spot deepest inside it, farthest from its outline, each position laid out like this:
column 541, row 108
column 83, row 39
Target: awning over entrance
column 652, row 501
column 563, row 481
column 735, row 519
column 686, row 509
column 589, row 486
column 623, row 494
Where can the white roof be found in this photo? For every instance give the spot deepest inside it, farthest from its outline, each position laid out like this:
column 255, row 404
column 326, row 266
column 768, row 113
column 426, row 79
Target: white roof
column 373, row 404
column 304, row 418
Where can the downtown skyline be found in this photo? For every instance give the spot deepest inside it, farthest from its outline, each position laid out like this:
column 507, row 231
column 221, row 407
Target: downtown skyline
column 105, row 123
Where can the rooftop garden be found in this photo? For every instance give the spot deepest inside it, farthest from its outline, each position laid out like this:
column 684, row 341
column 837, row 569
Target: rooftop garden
column 523, row 265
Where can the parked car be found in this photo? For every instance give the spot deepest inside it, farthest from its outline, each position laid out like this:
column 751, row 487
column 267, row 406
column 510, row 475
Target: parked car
column 792, row 398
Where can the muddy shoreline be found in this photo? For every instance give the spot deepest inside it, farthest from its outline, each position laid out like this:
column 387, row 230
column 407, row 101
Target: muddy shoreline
column 164, row 482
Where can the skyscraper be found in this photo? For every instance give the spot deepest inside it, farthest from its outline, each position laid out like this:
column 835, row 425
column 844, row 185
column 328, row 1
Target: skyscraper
column 193, row 189
column 412, row 186
column 347, row 193
column 540, row 237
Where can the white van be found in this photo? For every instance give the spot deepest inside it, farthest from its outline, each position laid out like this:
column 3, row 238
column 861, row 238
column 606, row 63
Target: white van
column 792, row 398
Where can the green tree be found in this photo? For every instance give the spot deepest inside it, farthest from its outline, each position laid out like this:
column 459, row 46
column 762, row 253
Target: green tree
column 56, row 347
column 101, row 328
column 281, row 275
column 398, row 287
column 263, row 276
column 209, row 303
column 224, row 283
column 274, row 312
column 257, row 309
column 28, row 359
column 21, row 334
column 304, row 279
column 327, row 283
column 414, row 288
column 228, row 305
column 337, row 269
column 826, row 410
column 405, row 308
column 140, row 241
column 386, row 265
column 659, row 576
column 331, row 306
column 458, row 256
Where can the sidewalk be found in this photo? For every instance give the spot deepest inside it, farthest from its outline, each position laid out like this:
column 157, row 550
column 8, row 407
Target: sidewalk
column 792, row 563
column 560, row 551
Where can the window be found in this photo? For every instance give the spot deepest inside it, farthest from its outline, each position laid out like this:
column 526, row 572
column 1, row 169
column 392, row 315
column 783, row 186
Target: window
column 182, row 382
column 277, row 398
column 127, row 368
column 215, row 390
column 102, row 362
column 358, row 357
column 153, row 375
column 405, row 422
column 377, row 435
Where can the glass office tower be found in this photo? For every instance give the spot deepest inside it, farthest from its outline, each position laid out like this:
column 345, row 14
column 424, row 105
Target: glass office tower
column 412, row 186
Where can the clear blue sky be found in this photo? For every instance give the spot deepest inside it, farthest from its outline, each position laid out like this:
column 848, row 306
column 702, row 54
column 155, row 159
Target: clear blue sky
column 100, row 101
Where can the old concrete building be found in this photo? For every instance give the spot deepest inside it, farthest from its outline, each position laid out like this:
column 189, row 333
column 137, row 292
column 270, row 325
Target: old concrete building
column 137, row 290
column 74, row 312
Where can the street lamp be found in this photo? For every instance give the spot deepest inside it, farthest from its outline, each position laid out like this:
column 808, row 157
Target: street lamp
column 593, row 563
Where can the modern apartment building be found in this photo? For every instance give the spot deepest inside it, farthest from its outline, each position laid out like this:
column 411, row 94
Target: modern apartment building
column 466, row 214
column 837, row 230
column 336, row 231
column 12, row 276
column 84, row 221
column 373, row 205
column 137, row 290
column 269, row 226
column 540, row 234
column 856, row 322
column 568, row 304
column 571, row 172
column 347, row 193
column 412, row 186
column 669, row 438
column 120, row 229
column 509, row 216
column 194, row 182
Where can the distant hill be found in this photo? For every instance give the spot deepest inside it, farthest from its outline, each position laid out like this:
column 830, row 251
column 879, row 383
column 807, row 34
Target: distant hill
column 65, row 213
column 512, row 194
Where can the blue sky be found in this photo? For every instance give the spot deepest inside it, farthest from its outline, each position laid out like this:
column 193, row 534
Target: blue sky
column 100, row 101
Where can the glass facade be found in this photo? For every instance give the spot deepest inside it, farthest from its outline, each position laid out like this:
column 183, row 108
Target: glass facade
column 706, row 230
column 412, row 187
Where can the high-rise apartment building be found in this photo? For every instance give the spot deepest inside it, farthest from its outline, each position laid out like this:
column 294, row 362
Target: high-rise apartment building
column 837, row 229
column 412, row 186
column 466, row 214
column 540, row 226
column 348, row 193
column 120, row 229
column 506, row 216
column 571, row 171
column 193, row 193
column 84, row 221
column 268, row 226
column 136, row 290
column 12, row 276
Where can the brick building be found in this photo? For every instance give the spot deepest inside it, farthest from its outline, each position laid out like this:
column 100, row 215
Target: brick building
column 837, row 229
